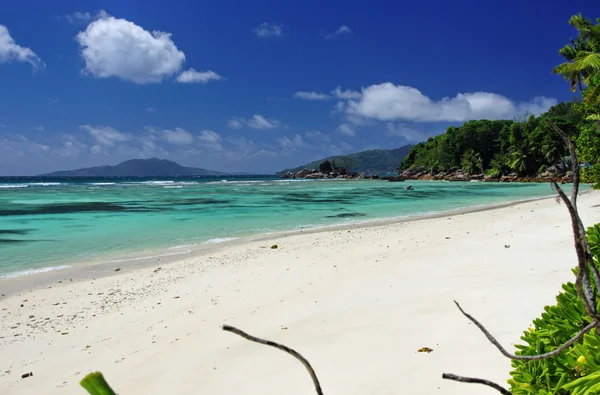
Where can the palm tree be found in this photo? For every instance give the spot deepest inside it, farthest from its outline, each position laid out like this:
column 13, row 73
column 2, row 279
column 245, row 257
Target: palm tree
column 583, row 57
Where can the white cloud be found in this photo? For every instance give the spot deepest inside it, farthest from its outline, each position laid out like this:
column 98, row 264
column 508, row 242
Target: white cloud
column 177, row 136
column 79, row 17
column 259, row 122
column 291, row 144
column 339, row 107
column 311, row 96
column 537, row 105
column 191, row 76
column 388, row 102
column 344, row 29
column 256, row 122
column 411, row 134
column 235, row 123
column 105, row 135
column 119, row 48
column 345, row 95
column 39, row 128
column 266, row 29
column 211, row 140
column 150, row 109
column 264, row 153
column 346, row 129
column 316, row 135
column 11, row 52
column 96, row 149
column 209, row 136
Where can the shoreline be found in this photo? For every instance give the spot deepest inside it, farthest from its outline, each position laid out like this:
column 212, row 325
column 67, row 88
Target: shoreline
column 359, row 302
column 104, row 266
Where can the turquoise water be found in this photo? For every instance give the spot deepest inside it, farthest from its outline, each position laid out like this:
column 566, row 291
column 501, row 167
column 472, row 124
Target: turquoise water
column 47, row 224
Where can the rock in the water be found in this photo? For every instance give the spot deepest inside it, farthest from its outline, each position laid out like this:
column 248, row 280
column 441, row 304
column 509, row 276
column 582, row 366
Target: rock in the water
column 326, row 167
column 304, row 172
column 315, row 175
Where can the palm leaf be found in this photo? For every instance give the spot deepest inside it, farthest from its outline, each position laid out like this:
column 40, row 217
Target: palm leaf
column 587, row 60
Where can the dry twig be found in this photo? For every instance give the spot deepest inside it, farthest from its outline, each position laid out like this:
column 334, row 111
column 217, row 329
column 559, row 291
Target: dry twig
column 463, row 379
column 552, row 353
column 281, row 347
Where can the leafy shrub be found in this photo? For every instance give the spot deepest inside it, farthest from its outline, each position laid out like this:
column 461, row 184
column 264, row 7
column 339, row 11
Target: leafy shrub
column 575, row 371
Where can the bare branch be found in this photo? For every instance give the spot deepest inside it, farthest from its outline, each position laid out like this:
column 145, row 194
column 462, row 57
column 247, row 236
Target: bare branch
column 463, row 379
column 281, row 347
column 574, row 214
column 574, row 161
column 582, row 283
column 495, row 342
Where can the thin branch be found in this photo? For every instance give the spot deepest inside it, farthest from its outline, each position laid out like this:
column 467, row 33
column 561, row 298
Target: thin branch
column 574, row 161
column 576, row 180
column 474, row 380
column 582, row 283
column 495, row 342
column 281, row 347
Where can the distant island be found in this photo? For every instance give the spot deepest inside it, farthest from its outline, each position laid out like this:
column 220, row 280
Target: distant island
column 152, row 167
column 377, row 161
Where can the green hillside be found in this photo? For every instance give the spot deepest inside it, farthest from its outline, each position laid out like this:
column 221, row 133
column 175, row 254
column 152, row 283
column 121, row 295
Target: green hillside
column 376, row 161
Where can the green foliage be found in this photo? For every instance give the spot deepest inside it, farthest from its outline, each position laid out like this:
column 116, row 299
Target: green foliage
column 471, row 162
column 498, row 148
column 95, row 384
column 582, row 56
column 575, row 371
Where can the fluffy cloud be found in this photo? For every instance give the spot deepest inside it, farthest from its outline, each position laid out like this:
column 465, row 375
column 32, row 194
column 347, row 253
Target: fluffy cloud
column 11, row 52
column 256, row 122
column 266, row 29
column 291, row 144
column 345, row 95
column 259, row 122
column 410, row 134
column 177, row 136
column 119, row 48
column 105, row 135
column 235, row 123
column 192, row 76
column 311, row 96
column 346, row 129
column 79, row 17
column 340, row 31
column 336, row 93
column 389, row 102
column 317, row 136
column 211, row 140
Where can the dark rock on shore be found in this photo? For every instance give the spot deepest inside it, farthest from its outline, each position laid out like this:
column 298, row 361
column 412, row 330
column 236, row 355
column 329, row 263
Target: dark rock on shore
column 393, row 179
column 327, row 171
column 552, row 173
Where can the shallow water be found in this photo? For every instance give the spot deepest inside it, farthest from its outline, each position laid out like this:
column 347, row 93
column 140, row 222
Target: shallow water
column 51, row 223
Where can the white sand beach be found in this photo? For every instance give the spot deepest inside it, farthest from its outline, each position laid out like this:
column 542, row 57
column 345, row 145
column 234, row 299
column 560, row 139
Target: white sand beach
column 357, row 303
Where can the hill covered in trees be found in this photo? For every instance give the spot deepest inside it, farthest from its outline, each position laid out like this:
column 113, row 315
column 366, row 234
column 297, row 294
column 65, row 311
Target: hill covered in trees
column 522, row 148
column 136, row 168
column 377, row 161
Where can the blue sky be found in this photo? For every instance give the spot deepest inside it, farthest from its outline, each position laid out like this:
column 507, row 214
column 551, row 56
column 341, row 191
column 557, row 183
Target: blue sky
column 263, row 85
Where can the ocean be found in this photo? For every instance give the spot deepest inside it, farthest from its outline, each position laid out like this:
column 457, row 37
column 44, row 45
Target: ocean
column 48, row 224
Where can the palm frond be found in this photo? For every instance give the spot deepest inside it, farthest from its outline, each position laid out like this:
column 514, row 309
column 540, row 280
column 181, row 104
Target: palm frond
column 587, row 60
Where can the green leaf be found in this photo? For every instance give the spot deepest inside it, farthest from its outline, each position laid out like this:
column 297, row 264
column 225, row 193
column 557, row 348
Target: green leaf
column 95, row 384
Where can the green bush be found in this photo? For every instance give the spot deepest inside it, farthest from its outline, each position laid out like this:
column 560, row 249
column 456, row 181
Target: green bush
column 575, row 371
